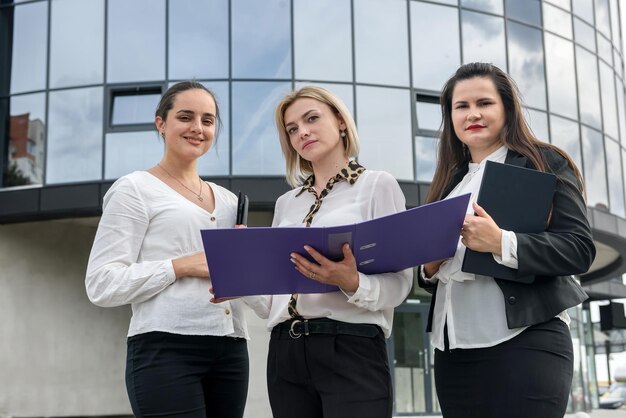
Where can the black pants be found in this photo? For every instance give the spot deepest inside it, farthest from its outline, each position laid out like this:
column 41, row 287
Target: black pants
column 187, row 376
column 527, row 376
column 329, row 375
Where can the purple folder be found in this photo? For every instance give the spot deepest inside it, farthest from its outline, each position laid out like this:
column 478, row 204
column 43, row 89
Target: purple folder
column 256, row 261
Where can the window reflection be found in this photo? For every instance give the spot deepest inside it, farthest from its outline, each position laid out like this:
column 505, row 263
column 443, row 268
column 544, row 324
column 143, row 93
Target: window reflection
column 493, row 6
column 256, row 148
column 609, row 111
column 216, row 161
column 134, row 109
column 76, row 42
column 614, row 171
column 584, row 9
column 557, row 21
column 425, row 158
column 131, row 26
column 483, row 38
column 74, row 135
column 584, row 34
column 27, row 130
column 615, row 24
column 564, row 4
column 323, row 40
column 604, row 49
column 261, row 39
column 436, row 60
column 621, row 112
column 344, row 91
column 451, row 2
column 526, row 64
column 589, row 88
column 198, row 39
column 131, row 151
column 538, row 122
column 428, row 116
column 603, row 22
column 561, row 80
column 28, row 65
column 377, row 62
column 565, row 135
column 384, row 121
column 528, row 11
column 595, row 169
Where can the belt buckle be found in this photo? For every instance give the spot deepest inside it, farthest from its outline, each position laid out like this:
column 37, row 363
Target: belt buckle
column 295, row 335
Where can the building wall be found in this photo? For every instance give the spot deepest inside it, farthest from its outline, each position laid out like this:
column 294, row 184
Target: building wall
column 59, row 354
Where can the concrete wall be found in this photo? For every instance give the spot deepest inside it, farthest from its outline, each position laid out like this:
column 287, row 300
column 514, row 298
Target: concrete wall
column 59, row 354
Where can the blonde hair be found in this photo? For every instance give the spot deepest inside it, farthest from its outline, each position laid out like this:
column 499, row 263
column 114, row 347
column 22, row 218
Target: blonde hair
column 298, row 169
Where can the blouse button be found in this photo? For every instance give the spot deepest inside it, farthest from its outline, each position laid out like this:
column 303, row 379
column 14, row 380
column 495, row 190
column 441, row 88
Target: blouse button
column 212, row 218
column 227, row 311
column 512, row 300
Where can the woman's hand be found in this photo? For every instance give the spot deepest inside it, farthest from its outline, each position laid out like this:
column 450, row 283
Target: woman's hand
column 433, row 267
column 339, row 273
column 480, row 232
column 220, row 300
column 191, row 266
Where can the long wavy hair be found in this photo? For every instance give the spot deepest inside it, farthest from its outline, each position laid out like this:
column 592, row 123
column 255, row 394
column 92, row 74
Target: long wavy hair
column 297, row 168
column 516, row 134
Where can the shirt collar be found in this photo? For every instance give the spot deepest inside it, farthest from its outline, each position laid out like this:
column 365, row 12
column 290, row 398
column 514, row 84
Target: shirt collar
column 350, row 173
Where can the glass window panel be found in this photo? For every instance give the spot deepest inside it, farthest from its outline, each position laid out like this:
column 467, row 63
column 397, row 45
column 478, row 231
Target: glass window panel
column 261, row 39
column 131, row 151
column 565, row 135
column 584, row 9
column 198, row 39
column 134, row 109
column 217, row 160
column 526, row 64
column 609, row 110
column 451, row 2
column 557, row 20
column 595, row 168
column 428, row 116
column 483, row 38
column 376, row 61
column 425, row 158
column 564, row 4
column 621, row 112
column 493, row 6
column 617, row 63
column 323, row 40
column 384, row 120
column 436, row 60
column 27, row 137
column 344, row 91
column 133, row 25
column 615, row 24
column 28, row 65
column 561, row 78
column 603, row 22
column 528, row 11
column 604, row 49
column 538, row 122
column 589, row 88
column 256, row 148
column 74, row 135
column 76, row 42
column 614, row 171
column 584, row 34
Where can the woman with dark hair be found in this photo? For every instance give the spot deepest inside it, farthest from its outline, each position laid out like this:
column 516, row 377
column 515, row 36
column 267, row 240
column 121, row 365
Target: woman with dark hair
column 186, row 356
column 503, row 347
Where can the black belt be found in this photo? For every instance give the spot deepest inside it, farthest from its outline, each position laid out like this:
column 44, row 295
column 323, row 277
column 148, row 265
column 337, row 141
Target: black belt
column 297, row 327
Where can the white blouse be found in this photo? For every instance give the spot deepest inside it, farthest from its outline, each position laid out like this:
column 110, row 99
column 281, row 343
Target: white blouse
column 374, row 194
column 145, row 224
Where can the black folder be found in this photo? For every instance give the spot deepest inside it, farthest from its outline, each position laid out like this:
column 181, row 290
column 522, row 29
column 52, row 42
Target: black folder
column 242, row 209
column 519, row 200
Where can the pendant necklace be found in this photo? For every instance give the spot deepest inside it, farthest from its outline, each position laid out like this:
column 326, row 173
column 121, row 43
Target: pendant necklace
column 198, row 195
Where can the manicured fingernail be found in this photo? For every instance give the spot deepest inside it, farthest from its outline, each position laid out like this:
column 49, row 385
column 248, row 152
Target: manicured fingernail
column 293, row 260
column 306, row 247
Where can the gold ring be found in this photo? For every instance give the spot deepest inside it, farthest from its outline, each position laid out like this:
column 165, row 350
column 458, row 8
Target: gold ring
column 312, row 275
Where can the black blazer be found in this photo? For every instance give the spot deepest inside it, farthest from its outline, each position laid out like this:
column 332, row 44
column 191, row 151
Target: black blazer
column 566, row 247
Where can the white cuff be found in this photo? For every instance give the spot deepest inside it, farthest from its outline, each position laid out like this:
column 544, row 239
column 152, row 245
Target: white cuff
column 509, row 250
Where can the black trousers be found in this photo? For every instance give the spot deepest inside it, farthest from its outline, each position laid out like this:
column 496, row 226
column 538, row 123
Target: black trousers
column 527, row 376
column 329, row 375
column 187, row 376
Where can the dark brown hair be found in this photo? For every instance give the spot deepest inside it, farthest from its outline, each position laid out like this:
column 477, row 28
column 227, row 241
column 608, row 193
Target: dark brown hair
column 516, row 134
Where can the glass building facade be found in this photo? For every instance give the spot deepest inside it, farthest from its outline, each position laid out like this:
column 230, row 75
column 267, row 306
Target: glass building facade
column 80, row 80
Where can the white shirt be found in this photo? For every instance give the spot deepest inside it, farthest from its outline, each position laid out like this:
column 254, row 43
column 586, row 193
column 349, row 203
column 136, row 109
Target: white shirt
column 473, row 305
column 374, row 194
column 144, row 225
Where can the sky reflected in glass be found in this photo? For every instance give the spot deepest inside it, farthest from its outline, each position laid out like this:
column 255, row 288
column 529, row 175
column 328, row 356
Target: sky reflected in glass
column 595, row 169
column 28, row 65
column 589, row 88
column 526, row 64
column 614, row 171
column 565, row 135
column 131, row 151
column 561, row 76
column 483, row 39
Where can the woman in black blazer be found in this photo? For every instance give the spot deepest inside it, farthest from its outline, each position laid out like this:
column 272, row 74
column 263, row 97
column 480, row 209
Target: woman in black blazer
column 503, row 347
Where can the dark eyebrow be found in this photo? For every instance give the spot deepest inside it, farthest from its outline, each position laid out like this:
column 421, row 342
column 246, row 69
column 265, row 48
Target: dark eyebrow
column 191, row 112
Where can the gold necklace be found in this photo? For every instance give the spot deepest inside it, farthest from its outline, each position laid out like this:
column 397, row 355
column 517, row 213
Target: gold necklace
column 198, row 195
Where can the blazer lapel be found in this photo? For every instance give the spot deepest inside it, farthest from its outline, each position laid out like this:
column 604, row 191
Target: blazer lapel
column 513, row 158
